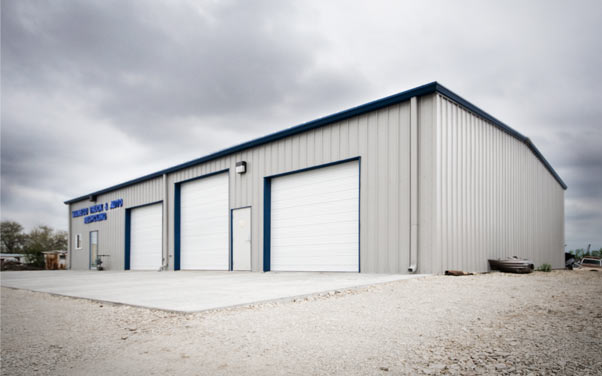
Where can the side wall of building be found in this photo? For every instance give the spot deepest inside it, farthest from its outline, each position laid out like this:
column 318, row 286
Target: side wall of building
column 111, row 232
column 491, row 196
column 381, row 139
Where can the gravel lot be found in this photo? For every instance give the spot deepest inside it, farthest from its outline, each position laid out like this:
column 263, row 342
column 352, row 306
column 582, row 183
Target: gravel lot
column 541, row 323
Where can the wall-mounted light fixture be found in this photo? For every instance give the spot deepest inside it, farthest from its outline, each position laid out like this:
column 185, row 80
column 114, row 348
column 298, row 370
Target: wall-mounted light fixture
column 92, row 198
column 241, row 167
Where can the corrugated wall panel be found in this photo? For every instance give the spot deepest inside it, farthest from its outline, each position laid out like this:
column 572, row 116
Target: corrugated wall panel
column 492, row 197
column 481, row 193
column 381, row 139
column 111, row 233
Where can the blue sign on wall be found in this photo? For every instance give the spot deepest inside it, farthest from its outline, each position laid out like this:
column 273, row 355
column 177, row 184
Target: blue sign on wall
column 96, row 211
column 80, row 212
column 95, row 218
column 116, row 203
column 96, row 208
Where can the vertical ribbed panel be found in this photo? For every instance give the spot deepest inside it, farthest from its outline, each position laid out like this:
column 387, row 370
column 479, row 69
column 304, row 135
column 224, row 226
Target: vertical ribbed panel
column 381, row 139
column 493, row 198
column 481, row 193
column 111, row 233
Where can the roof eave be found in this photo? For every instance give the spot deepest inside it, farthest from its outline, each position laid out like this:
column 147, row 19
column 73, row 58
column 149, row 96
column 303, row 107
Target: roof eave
column 355, row 111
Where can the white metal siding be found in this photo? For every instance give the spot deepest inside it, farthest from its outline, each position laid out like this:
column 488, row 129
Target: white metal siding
column 493, row 198
column 315, row 220
column 204, row 222
column 146, row 240
column 111, row 233
column 380, row 138
column 481, row 194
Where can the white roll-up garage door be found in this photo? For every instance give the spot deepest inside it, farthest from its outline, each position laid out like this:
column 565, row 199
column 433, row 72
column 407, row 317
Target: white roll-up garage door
column 315, row 220
column 146, row 237
column 204, row 221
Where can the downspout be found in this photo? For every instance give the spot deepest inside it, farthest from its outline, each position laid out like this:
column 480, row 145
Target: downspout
column 413, row 185
column 165, row 263
column 69, row 245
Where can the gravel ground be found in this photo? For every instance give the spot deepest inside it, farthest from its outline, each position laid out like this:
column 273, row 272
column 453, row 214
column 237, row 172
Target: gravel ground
column 541, row 323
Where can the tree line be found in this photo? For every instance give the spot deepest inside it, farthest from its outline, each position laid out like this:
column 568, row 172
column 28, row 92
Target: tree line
column 13, row 239
column 581, row 253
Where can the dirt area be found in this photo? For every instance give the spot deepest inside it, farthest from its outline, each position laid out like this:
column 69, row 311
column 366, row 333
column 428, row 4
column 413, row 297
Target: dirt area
column 541, row 323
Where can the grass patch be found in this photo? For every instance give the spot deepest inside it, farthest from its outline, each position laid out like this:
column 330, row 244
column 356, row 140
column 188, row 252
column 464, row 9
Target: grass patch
column 545, row 268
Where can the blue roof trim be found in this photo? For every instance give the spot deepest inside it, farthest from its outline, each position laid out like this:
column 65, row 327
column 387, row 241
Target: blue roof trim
column 355, row 111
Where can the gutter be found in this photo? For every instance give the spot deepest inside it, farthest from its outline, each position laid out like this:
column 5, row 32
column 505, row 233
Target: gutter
column 165, row 221
column 69, row 239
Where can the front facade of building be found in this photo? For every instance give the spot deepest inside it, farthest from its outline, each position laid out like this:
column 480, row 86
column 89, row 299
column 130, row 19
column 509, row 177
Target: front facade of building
column 421, row 181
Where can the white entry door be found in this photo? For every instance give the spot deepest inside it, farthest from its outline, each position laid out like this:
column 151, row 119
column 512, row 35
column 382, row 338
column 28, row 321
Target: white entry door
column 146, row 237
column 204, row 222
column 241, row 239
column 315, row 220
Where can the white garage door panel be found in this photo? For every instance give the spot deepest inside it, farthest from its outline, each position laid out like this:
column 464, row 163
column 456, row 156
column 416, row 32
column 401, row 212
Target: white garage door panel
column 336, row 187
column 315, row 220
column 146, row 237
column 204, row 224
column 321, row 231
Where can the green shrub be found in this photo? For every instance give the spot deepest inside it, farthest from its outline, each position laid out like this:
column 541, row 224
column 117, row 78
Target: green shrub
column 545, row 268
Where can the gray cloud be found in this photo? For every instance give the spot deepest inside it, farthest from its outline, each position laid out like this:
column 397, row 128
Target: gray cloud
column 138, row 66
column 98, row 92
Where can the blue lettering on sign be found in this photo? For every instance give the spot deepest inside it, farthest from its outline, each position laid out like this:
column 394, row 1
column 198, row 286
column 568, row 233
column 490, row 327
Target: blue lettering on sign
column 80, row 212
column 99, row 208
column 96, row 208
column 95, row 218
column 116, row 203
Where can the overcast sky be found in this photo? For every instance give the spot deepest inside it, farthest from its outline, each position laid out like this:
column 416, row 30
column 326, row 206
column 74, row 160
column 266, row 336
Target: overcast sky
column 95, row 93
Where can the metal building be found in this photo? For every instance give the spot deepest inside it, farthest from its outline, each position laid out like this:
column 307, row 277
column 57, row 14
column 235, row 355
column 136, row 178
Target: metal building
column 421, row 181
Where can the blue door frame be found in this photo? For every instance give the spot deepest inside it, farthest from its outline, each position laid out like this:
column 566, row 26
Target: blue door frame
column 267, row 208
column 177, row 212
column 128, row 230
